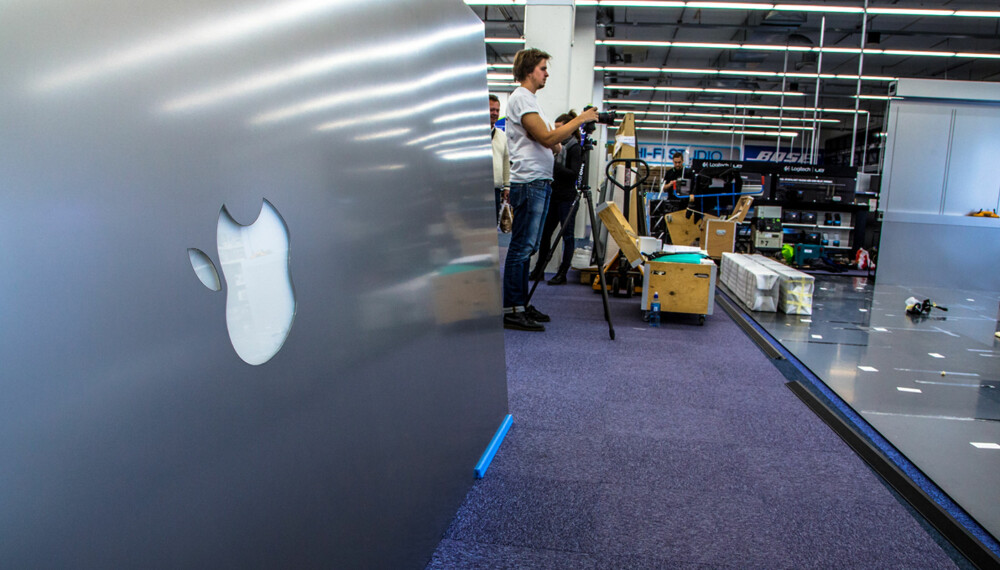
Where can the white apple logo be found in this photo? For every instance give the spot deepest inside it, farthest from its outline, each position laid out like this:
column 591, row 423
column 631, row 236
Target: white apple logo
column 260, row 302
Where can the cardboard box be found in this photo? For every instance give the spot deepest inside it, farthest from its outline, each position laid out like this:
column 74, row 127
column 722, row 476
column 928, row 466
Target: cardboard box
column 720, row 237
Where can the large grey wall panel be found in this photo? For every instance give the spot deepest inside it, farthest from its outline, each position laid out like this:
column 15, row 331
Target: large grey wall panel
column 974, row 181
column 131, row 432
column 916, row 165
column 927, row 250
column 941, row 149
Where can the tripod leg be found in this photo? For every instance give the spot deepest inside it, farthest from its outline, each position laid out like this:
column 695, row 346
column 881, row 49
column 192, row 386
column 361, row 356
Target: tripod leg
column 600, row 265
column 600, row 233
column 558, row 240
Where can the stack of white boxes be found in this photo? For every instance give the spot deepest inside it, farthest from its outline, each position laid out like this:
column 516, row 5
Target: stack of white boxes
column 753, row 284
column 795, row 289
column 765, row 284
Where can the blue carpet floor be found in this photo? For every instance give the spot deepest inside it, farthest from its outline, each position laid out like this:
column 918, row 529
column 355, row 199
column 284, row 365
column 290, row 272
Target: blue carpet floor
column 676, row 447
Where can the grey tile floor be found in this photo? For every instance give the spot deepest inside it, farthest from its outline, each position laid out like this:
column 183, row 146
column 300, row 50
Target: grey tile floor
column 930, row 385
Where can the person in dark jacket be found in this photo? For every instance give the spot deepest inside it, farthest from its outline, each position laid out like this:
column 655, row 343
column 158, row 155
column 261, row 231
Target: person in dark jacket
column 565, row 172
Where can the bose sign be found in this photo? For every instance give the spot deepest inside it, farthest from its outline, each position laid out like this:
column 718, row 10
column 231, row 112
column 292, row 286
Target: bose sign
column 753, row 152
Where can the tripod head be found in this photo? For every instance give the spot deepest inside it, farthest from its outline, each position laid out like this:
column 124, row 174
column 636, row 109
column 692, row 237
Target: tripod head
column 586, row 142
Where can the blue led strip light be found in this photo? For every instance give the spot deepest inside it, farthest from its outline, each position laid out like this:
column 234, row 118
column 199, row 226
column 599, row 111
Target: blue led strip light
column 494, row 446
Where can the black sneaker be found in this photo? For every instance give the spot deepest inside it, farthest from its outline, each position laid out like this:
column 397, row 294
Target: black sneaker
column 521, row 322
column 536, row 315
column 559, row 279
column 536, row 275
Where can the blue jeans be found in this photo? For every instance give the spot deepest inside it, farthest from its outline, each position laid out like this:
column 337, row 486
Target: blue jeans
column 530, row 202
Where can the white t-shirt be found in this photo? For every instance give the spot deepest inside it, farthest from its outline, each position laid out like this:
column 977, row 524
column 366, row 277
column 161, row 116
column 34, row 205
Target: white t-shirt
column 530, row 159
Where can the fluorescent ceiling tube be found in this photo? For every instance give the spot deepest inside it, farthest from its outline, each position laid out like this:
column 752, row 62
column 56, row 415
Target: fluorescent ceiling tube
column 818, row 8
column 910, row 12
column 764, row 47
column 730, row 106
column 730, row 124
column 722, row 131
column 627, row 87
column 728, row 116
column 759, row 6
column 737, row 72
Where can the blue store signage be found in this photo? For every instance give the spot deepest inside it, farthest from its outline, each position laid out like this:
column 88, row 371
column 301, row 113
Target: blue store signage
column 655, row 154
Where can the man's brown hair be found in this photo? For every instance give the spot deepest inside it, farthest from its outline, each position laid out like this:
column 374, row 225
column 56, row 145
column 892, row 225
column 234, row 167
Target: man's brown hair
column 526, row 60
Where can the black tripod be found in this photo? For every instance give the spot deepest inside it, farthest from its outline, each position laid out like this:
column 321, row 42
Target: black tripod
column 582, row 191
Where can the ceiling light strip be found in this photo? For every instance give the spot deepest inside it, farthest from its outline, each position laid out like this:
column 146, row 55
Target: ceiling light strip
column 727, row 116
column 737, row 72
column 714, row 123
column 761, row 6
column 825, row 49
column 777, row 48
column 720, row 131
column 628, row 87
column 729, row 106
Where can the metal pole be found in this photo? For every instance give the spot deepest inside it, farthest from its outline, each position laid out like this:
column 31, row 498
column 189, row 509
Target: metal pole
column 802, row 143
column 857, row 94
column 743, row 134
column 781, row 107
column 666, row 133
column 814, row 142
column 732, row 133
column 883, row 142
column 864, row 148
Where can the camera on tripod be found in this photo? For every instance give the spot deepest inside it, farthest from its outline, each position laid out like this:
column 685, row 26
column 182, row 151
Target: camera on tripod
column 603, row 118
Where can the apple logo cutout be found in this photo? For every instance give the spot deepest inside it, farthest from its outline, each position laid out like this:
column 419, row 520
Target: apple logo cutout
column 260, row 302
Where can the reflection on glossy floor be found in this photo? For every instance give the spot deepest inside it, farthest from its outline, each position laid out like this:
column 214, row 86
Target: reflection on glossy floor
column 930, row 385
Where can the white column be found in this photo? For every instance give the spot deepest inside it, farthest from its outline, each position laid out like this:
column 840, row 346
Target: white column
column 548, row 26
column 581, row 79
column 568, row 34
column 584, row 90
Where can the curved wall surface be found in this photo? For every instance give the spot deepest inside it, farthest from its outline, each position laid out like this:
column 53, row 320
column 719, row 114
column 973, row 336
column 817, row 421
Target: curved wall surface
column 325, row 406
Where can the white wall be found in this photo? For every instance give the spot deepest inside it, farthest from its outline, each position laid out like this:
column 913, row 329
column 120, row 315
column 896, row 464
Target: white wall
column 942, row 161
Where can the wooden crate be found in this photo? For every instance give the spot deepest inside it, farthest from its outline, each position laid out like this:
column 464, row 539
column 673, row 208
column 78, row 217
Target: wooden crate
column 682, row 287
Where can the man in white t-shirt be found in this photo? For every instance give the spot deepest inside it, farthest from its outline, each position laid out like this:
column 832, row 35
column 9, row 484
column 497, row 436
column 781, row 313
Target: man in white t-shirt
column 531, row 143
